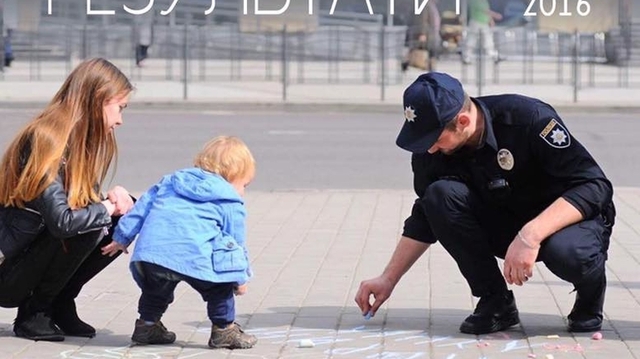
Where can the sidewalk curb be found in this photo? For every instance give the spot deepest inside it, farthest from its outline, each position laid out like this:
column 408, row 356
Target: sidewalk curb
column 231, row 106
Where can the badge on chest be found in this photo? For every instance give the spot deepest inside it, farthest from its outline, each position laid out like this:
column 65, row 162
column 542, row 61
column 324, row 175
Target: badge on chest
column 505, row 159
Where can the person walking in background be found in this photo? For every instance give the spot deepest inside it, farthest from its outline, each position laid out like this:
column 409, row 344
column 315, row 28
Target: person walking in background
column 53, row 218
column 9, row 24
column 191, row 227
column 481, row 20
column 8, row 50
column 144, row 29
column 423, row 35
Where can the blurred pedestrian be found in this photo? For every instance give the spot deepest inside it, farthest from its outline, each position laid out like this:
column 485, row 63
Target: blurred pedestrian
column 9, row 24
column 481, row 20
column 144, row 29
column 423, row 38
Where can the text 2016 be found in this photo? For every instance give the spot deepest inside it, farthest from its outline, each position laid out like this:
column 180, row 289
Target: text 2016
column 559, row 7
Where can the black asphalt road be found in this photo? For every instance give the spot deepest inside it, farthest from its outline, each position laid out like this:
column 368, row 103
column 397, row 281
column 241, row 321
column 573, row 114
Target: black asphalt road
column 314, row 150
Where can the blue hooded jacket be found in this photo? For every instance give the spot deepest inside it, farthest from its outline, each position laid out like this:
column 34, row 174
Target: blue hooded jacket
column 192, row 222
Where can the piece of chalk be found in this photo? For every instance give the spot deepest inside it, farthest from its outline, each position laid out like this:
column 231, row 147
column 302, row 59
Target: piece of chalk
column 596, row 336
column 548, row 356
column 306, row 343
column 531, row 355
column 369, row 315
column 553, row 336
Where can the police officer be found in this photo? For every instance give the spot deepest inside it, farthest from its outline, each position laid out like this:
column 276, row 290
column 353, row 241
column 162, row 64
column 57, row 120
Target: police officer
column 500, row 176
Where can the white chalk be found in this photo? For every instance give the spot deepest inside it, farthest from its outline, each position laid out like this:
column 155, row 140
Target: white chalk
column 553, row 336
column 306, row 343
column 548, row 356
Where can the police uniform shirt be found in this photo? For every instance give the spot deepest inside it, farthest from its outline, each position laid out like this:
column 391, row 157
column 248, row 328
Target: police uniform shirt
column 528, row 160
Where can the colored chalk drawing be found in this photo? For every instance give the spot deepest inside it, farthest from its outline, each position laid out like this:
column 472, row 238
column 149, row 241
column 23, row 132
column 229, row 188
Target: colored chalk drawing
column 356, row 342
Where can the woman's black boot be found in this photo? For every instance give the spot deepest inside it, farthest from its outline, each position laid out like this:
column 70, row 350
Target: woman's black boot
column 65, row 316
column 36, row 325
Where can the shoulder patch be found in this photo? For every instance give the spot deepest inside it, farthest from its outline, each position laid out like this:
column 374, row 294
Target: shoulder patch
column 556, row 135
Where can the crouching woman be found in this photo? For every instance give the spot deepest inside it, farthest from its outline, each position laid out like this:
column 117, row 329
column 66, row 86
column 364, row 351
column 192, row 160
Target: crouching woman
column 53, row 217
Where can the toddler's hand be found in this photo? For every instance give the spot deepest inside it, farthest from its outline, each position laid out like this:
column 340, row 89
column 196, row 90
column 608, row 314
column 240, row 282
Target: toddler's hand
column 240, row 289
column 113, row 248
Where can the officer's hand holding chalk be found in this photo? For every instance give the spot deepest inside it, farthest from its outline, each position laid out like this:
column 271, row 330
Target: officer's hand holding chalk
column 369, row 315
column 379, row 289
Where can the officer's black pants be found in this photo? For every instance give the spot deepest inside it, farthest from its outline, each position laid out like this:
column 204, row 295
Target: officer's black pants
column 475, row 234
column 52, row 271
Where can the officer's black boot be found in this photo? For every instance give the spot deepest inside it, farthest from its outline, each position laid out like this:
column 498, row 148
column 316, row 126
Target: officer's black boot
column 586, row 315
column 493, row 313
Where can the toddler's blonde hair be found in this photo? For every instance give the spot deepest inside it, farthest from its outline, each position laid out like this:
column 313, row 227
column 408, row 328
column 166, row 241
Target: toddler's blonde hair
column 226, row 156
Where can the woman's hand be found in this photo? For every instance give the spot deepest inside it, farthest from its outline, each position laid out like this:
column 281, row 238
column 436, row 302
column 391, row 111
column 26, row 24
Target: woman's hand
column 111, row 208
column 120, row 197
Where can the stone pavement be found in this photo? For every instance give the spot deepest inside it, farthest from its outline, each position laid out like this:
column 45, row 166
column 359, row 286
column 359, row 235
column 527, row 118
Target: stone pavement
column 310, row 249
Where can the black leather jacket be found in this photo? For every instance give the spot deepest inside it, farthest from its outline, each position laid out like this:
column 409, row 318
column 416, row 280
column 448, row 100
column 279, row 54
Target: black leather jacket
column 63, row 222
column 50, row 211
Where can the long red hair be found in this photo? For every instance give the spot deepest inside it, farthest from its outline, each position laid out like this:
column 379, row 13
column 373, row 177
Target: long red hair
column 69, row 135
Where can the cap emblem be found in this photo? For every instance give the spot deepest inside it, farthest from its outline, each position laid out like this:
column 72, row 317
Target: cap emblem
column 409, row 114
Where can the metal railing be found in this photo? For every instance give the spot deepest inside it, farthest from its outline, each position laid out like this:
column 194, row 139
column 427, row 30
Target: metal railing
column 343, row 52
